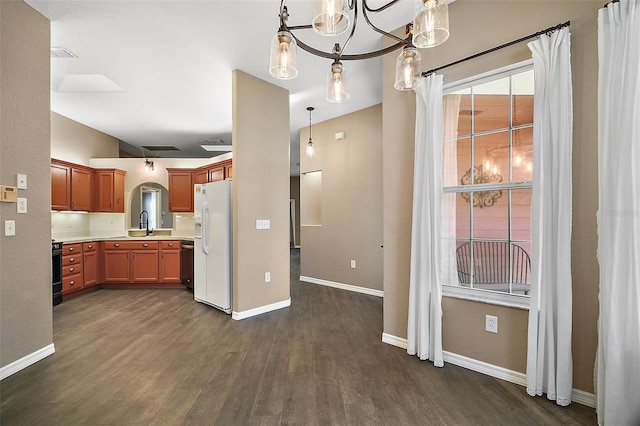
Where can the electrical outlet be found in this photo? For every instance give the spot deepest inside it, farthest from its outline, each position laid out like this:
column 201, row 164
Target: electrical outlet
column 353, row 264
column 267, row 277
column 491, row 324
column 21, row 206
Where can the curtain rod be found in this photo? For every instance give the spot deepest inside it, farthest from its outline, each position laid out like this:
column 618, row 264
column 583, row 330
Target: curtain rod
column 530, row 36
column 611, row 2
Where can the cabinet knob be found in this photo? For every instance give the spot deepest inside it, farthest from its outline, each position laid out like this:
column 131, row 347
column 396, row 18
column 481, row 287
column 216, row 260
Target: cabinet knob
column 170, row 244
column 72, row 269
column 70, row 248
column 145, row 245
column 73, row 259
column 90, row 246
column 72, row 282
column 116, row 245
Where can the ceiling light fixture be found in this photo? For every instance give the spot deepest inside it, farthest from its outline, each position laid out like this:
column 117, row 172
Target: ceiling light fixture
column 430, row 28
column 148, row 165
column 309, row 149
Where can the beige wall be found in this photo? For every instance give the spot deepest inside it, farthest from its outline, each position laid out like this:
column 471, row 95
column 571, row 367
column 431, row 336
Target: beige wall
column 499, row 24
column 25, row 260
column 350, row 200
column 77, row 143
column 294, row 194
column 260, row 191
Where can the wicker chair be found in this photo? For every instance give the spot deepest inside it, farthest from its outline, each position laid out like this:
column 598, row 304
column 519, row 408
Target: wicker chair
column 496, row 265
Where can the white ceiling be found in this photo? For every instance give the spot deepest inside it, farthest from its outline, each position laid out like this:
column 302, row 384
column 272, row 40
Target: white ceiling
column 163, row 68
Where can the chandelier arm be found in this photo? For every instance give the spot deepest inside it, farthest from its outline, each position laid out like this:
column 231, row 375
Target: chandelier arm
column 354, row 57
column 353, row 30
column 384, row 33
column 381, row 8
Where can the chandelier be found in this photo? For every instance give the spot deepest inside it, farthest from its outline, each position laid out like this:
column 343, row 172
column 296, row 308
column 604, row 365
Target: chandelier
column 430, row 27
column 482, row 174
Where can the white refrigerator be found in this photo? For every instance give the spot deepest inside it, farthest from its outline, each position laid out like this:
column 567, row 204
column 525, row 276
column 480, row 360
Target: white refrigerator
column 212, row 244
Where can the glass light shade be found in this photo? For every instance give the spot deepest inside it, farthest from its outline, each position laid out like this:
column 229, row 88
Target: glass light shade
column 336, row 87
column 408, row 68
column 331, row 17
column 309, row 149
column 430, row 23
column 283, row 56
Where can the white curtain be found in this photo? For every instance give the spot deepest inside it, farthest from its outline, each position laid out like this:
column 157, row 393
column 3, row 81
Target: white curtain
column 549, row 362
column 424, row 331
column 618, row 358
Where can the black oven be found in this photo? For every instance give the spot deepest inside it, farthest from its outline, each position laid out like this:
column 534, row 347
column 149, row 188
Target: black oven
column 56, row 272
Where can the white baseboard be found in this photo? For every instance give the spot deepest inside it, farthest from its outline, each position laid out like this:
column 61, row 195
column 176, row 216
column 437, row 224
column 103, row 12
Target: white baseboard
column 341, row 286
column 261, row 310
column 26, row 361
column 577, row 396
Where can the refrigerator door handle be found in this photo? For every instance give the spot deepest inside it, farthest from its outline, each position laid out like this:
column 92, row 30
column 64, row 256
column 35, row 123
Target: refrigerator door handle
column 205, row 227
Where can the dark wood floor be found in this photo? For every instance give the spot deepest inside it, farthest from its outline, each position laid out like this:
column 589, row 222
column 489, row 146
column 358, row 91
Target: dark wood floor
column 157, row 357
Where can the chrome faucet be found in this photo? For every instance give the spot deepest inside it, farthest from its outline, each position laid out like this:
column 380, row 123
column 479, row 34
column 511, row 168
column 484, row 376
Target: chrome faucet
column 145, row 214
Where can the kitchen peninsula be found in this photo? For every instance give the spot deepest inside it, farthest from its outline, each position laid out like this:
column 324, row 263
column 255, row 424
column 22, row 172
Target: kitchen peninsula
column 125, row 262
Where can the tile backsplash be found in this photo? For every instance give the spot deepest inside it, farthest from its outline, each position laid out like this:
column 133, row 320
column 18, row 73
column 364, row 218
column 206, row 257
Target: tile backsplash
column 76, row 224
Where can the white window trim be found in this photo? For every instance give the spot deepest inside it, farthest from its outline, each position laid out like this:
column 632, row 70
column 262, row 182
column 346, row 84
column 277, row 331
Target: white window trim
column 472, row 294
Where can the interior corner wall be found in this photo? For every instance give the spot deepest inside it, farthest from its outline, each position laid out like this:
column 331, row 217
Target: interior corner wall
column 25, row 259
column 499, row 25
column 74, row 142
column 294, row 194
column 350, row 200
column 260, row 191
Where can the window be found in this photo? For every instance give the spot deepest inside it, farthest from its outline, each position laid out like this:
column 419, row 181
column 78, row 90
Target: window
column 487, row 177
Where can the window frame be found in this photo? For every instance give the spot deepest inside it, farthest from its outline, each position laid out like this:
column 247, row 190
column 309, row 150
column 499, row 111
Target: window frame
column 474, row 294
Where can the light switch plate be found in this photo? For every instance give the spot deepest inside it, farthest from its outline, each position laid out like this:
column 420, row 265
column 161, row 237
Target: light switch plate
column 9, row 228
column 22, row 181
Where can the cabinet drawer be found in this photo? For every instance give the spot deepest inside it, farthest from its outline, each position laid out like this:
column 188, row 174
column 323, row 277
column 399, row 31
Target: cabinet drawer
column 68, row 270
column 72, row 259
column 170, row 245
column 72, row 248
column 72, row 282
column 87, row 247
column 130, row 245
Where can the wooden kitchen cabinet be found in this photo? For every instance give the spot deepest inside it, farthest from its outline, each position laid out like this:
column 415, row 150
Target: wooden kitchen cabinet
column 180, row 190
column 131, row 262
column 228, row 170
column 116, row 266
column 90, row 264
column 170, row 262
column 72, row 277
column 144, row 266
column 81, row 189
column 109, row 190
column 201, row 176
column 216, row 174
column 60, row 187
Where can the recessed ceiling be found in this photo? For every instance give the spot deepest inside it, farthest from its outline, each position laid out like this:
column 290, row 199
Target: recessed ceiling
column 173, row 62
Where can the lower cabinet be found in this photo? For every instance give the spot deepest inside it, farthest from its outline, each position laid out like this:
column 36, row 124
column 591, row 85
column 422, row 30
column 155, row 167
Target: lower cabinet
column 72, row 278
column 90, row 264
column 130, row 261
column 170, row 262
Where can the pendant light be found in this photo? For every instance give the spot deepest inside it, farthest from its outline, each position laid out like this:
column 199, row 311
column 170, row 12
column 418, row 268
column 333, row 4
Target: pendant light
column 430, row 23
column 407, row 68
column 336, row 87
column 331, row 17
column 309, row 149
column 283, row 56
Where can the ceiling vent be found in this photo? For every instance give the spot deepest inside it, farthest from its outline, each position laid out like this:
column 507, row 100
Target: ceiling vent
column 61, row 53
column 160, row 148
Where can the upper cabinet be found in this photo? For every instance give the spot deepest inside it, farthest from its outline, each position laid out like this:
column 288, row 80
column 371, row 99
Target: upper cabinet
column 60, row 187
column 110, row 190
column 81, row 188
column 180, row 190
column 181, row 183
